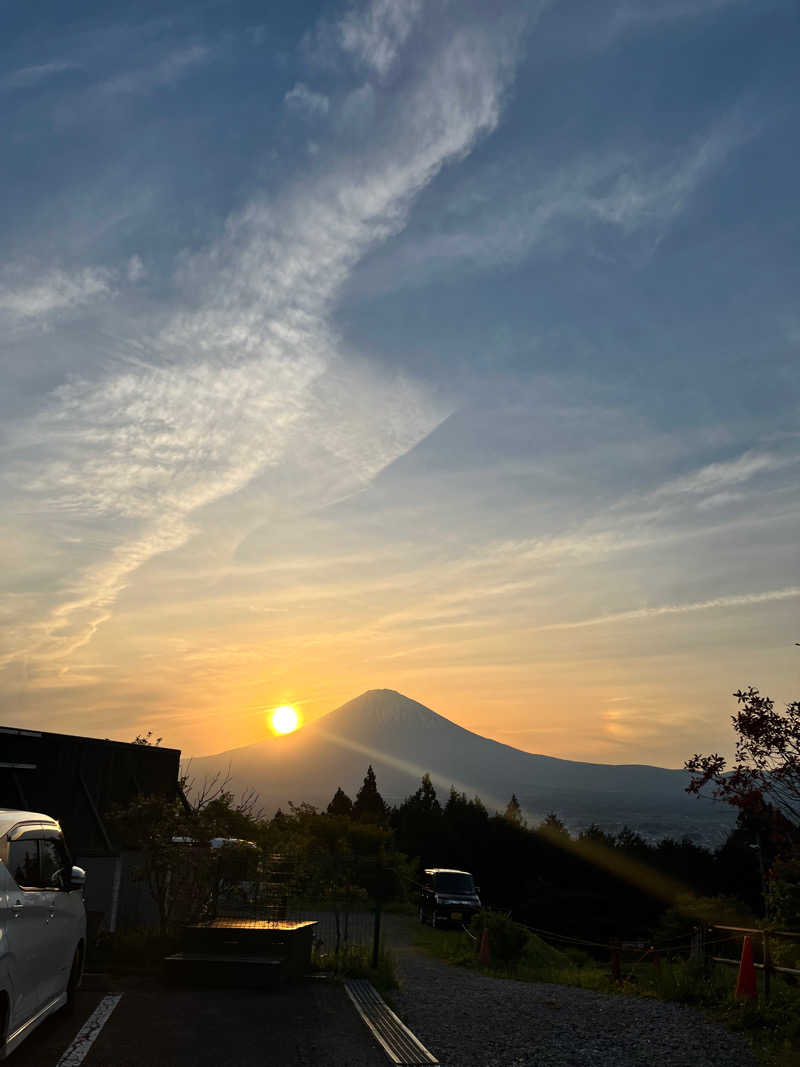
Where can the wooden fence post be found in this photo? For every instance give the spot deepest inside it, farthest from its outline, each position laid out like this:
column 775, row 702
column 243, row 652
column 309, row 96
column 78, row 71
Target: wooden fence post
column 767, row 963
column 376, row 935
column 616, row 972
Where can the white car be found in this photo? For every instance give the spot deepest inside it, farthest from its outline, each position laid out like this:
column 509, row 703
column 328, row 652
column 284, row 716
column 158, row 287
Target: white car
column 42, row 924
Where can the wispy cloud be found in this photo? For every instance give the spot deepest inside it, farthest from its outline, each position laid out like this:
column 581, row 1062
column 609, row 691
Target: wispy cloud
column 305, row 102
column 504, row 215
column 165, row 71
column 658, row 12
column 251, row 376
column 733, row 601
column 716, row 477
column 375, row 36
column 28, row 77
column 37, row 296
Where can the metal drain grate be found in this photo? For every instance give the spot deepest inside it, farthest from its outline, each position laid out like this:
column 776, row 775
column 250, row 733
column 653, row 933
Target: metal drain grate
column 397, row 1040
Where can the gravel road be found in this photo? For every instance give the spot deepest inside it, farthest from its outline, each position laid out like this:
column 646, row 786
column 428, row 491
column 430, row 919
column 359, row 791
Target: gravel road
column 469, row 1020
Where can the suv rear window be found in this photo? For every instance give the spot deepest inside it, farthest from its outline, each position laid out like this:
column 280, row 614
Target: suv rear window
column 454, row 882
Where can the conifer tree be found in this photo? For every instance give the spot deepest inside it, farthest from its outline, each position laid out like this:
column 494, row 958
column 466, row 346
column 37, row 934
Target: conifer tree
column 369, row 805
column 341, row 804
column 513, row 812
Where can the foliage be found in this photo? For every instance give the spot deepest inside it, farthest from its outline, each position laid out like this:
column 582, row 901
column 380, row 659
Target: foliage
column 131, row 951
column 369, row 805
column 355, row 961
column 553, row 826
column 340, row 804
column 147, row 739
column 338, row 860
column 784, row 891
column 507, row 939
column 513, row 812
column 172, row 837
column 674, row 930
column 766, row 771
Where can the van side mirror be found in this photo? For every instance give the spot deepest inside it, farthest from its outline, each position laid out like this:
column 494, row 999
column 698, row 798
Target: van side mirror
column 77, row 878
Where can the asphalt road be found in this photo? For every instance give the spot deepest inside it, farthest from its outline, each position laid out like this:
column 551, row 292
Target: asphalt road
column 309, row 1024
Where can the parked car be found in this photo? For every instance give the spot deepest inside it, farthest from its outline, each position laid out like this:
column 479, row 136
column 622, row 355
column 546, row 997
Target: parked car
column 448, row 897
column 42, row 924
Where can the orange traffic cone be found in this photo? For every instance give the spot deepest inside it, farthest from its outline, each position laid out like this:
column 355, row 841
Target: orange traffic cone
column 746, row 982
column 483, row 954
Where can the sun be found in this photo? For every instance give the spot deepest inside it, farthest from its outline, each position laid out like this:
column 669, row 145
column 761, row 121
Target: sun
column 284, row 720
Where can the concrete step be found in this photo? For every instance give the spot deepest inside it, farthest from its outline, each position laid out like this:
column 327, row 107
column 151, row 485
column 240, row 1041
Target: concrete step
column 233, row 941
column 223, row 971
column 288, row 941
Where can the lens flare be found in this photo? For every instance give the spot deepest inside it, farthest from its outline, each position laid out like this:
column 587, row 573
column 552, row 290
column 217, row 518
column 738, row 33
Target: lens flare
column 284, row 720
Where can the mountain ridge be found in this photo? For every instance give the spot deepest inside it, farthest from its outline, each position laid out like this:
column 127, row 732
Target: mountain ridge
column 404, row 739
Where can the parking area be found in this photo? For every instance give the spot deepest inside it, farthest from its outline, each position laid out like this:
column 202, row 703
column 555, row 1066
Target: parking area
column 309, row 1024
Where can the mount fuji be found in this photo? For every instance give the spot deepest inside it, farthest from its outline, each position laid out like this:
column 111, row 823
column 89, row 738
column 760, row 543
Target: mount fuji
column 403, row 740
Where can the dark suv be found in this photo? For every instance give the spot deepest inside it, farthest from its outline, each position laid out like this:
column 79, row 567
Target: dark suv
column 447, row 897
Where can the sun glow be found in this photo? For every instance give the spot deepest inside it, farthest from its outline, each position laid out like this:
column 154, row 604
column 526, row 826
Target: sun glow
column 284, row 720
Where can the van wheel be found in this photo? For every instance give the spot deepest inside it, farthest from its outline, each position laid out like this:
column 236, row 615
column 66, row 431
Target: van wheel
column 75, row 974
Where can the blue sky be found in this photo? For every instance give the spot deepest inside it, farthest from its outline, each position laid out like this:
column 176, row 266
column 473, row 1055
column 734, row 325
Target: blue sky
column 449, row 348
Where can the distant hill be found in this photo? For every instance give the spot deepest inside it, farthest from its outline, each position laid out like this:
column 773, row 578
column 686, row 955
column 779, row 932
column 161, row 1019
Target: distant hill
column 403, row 740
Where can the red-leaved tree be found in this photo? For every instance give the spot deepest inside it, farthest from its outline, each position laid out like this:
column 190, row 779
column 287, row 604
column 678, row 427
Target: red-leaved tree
column 765, row 776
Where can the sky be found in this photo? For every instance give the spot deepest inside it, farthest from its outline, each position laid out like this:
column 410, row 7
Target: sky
column 450, row 348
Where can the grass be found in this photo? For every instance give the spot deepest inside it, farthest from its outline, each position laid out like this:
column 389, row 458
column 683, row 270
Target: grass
column 355, row 961
column 772, row 1029
column 136, row 951
column 539, row 961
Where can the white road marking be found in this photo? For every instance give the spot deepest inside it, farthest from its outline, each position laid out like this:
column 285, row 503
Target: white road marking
column 88, row 1033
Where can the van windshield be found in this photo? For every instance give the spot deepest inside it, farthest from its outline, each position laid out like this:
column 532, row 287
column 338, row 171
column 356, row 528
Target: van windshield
column 454, row 882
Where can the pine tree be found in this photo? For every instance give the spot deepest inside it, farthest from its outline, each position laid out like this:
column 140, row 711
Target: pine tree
column 513, row 812
column 341, row 804
column 369, row 805
column 551, row 826
column 426, row 796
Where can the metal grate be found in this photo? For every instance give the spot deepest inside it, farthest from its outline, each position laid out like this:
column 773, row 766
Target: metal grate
column 400, row 1045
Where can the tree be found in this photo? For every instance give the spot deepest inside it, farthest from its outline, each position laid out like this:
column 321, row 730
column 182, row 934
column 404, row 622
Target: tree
column 341, row 804
column 147, row 739
column 552, row 827
column 766, row 772
column 425, row 797
column 597, row 835
column 418, row 825
column 513, row 811
column 172, row 836
column 369, row 805
column 150, row 825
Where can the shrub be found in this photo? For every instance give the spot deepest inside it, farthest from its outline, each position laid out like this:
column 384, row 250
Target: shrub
column 507, row 939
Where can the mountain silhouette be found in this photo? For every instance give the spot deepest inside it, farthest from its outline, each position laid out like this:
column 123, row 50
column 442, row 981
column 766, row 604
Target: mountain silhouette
column 403, row 740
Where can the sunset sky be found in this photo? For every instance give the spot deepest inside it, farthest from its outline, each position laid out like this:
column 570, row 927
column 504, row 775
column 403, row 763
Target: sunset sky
column 451, row 348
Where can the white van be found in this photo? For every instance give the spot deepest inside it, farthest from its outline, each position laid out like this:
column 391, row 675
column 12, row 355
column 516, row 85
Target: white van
column 42, row 924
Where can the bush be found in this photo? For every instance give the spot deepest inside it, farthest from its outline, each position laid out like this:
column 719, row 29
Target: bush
column 355, row 961
column 132, row 951
column 512, row 944
column 507, row 939
column 687, row 912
